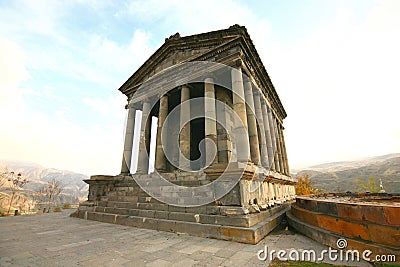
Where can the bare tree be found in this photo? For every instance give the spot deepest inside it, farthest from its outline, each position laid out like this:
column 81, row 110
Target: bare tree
column 3, row 180
column 4, row 175
column 16, row 183
column 52, row 190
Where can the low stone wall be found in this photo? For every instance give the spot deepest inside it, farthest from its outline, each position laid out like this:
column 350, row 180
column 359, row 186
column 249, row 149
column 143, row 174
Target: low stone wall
column 366, row 222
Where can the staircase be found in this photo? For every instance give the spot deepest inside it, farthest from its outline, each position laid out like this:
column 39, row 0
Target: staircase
column 131, row 206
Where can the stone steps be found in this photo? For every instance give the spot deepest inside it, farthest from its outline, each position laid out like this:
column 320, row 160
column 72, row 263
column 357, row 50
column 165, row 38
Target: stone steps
column 179, row 216
column 212, row 226
column 207, row 213
column 127, row 204
column 151, row 203
column 240, row 221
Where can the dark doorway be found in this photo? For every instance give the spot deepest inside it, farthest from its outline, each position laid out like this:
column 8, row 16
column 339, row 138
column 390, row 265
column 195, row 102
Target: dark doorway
column 197, row 133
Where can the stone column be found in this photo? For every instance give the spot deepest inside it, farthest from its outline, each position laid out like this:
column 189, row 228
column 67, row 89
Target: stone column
column 268, row 134
column 128, row 142
column 184, row 136
column 262, row 126
column 274, row 141
column 144, row 143
column 279, row 146
column 252, row 124
column 239, row 106
column 223, row 116
column 285, row 153
column 161, row 161
column 210, row 122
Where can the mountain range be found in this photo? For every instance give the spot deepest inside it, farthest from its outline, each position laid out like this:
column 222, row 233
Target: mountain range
column 330, row 177
column 343, row 176
column 74, row 189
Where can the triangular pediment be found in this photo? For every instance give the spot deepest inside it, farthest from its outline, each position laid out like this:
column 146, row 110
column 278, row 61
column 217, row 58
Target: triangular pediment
column 175, row 50
column 208, row 46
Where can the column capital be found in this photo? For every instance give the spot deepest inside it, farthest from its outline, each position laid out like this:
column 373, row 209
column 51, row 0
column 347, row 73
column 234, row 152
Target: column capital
column 159, row 95
column 186, row 85
column 237, row 64
column 209, row 79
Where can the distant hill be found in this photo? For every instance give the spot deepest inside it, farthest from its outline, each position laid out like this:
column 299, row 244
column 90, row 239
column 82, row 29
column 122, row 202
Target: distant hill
column 341, row 176
column 74, row 188
column 344, row 165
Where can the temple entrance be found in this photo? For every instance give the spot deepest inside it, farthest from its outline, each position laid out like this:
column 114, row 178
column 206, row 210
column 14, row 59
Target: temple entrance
column 197, row 134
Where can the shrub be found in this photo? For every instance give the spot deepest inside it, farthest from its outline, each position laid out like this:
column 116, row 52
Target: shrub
column 304, row 186
column 57, row 209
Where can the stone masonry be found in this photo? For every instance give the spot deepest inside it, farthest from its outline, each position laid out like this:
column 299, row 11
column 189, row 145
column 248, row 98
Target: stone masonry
column 239, row 134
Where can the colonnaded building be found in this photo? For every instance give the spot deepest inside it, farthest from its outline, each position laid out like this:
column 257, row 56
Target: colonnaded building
column 217, row 164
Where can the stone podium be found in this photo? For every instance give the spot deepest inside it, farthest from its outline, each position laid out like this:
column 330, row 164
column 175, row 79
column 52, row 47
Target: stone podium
column 219, row 166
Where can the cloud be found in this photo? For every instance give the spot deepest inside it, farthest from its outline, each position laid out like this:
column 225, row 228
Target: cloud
column 47, row 65
column 197, row 17
column 12, row 73
column 340, row 88
column 12, row 64
column 53, row 139
column 108, row 59
column 109, row 108
column 338, row 82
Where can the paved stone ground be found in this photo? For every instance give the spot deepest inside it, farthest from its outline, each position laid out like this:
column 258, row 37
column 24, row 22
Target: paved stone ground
column 57, row 240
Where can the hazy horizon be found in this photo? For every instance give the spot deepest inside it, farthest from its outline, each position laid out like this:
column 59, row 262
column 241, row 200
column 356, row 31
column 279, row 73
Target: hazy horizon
column 291, row 168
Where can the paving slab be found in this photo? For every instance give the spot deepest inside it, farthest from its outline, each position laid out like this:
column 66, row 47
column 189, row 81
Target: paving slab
column 56, row 239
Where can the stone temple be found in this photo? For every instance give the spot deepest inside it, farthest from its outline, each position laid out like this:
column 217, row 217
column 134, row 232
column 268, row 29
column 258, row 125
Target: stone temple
column 217, row 165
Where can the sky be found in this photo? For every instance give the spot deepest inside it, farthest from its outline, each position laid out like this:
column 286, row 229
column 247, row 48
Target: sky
column 334, row 64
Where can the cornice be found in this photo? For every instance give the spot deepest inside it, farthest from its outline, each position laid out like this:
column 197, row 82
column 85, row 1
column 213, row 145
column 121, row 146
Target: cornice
column 222, row 40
